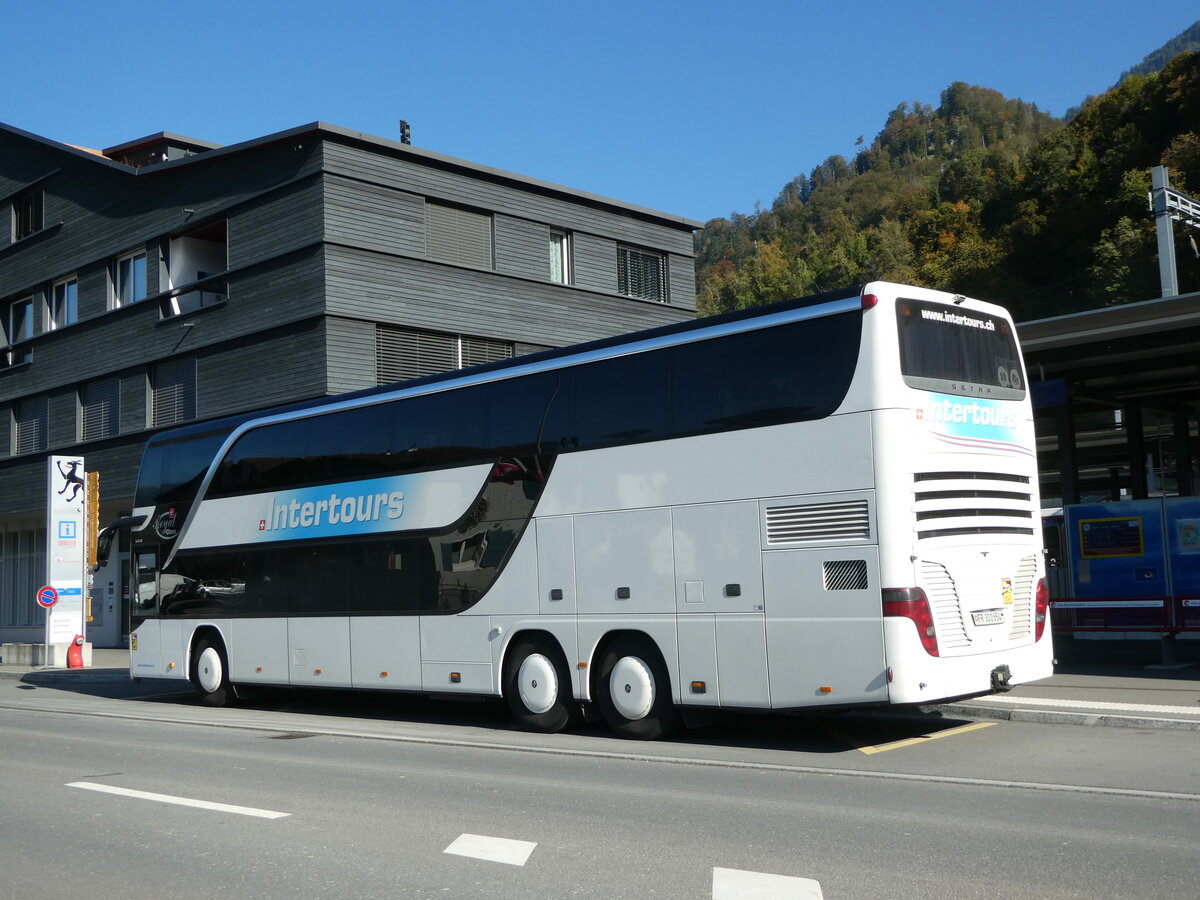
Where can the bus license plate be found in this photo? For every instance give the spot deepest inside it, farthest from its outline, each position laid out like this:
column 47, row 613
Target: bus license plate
column 988, row 617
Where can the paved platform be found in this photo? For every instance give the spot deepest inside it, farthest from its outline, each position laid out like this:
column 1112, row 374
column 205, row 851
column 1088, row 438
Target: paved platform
column 1120, row 684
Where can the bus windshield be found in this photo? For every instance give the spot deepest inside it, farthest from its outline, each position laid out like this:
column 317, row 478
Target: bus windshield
column 172, row 470
column 958, row 351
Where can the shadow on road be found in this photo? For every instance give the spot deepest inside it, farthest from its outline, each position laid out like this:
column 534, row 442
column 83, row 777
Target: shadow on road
column 832, row 732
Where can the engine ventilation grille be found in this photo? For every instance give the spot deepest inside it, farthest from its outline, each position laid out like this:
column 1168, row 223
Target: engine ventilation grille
column 800, row 523
column 845, row 574
column 953, row 504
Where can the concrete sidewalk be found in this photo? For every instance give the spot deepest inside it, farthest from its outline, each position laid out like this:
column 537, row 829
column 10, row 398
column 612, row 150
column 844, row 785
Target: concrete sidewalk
column 1095, row 683
column 107, row 665
column 1118, row 683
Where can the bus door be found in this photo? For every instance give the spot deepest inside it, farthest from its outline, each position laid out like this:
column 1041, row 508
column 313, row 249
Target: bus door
column 145, row 641
column 719, row 605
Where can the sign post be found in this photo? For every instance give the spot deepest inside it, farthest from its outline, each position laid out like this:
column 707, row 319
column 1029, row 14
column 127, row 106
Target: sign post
column 47, row 596
column 66, row 502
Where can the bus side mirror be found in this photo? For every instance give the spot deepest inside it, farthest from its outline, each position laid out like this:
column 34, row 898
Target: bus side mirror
column 104, row 540
column 104, row 543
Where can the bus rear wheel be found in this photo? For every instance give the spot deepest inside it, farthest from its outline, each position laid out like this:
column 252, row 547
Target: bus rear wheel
column 633, row 691
column 537, row 686
column 210, row 673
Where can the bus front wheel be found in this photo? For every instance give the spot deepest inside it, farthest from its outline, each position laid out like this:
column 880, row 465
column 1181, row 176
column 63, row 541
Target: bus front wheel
column 634, row 691
column 537, row 686
column 210, row 673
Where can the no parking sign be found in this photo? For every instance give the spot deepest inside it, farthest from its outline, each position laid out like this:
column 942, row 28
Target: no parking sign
column 47, row 596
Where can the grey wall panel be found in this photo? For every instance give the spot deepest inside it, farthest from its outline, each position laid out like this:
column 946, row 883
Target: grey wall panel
column 681, row 280
column 6, row 429
column 522, row 247
column 416, row 294
column 276, row 223
column 134, row 399
column 508, row 198
column 278, row 367
column 595, row 263
column 93, row 290
column 23, row 487
column 373, row 216
column 350, row 350
column 154, row 266
column 63, row 422
column 117, row 462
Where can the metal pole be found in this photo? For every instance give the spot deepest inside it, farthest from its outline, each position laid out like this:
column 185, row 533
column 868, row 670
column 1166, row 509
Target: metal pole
column 1160, row 185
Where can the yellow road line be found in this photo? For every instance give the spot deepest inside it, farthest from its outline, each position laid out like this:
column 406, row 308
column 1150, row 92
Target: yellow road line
column 923, row 738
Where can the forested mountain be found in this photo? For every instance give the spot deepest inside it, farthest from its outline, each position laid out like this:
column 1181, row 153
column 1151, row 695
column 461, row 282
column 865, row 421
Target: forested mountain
column 983, row 195
column 1185, row 42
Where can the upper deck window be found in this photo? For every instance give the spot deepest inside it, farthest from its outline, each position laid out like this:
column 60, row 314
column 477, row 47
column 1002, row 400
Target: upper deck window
column 958, row 351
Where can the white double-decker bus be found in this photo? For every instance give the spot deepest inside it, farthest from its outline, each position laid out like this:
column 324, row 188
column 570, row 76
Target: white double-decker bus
column 826, row 502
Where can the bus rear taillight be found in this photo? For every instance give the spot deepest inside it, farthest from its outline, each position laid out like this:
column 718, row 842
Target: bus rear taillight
column 1041, row 608
column 911, row 603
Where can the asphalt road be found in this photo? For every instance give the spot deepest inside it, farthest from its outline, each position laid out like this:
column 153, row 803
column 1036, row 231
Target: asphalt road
column 338, row 795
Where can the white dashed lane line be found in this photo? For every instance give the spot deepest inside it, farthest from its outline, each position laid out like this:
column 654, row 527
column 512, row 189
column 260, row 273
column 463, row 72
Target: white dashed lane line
column 180, row 801
column 491, row 849
column 727, row 884
column 735, row 884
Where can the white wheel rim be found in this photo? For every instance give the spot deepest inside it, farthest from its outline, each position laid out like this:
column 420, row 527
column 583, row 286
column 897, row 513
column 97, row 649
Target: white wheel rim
column 631, row 686
column 537, row 683
column 208, row 670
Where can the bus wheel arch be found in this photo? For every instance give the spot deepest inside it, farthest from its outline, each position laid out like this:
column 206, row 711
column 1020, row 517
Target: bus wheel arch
column 537, row 685
column 632, row 687
column 209, row 668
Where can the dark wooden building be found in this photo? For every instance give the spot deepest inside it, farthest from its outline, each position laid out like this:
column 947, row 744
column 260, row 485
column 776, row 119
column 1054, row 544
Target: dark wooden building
column 170, row 280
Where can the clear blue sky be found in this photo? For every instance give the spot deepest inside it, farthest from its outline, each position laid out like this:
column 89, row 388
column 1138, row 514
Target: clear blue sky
column 695, row 108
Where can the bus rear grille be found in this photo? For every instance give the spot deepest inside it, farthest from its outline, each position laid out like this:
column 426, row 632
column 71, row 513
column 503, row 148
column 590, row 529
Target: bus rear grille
column 1022, row 608
column 947, row 613
column 818, row 522
column 972, row 503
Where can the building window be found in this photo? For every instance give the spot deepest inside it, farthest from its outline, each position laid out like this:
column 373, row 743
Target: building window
column 129, row 279
column 30, row 425
column 18, row 330
column 195, row 258
column 401, row 354
column 100, row 409
column 172, row 392
column 642, row 273
column 560, row 257
column 64, row 303
column 458, row 236
column 27, row 213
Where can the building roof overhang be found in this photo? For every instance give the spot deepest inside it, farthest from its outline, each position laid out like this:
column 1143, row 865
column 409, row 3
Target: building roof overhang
column 204, row 152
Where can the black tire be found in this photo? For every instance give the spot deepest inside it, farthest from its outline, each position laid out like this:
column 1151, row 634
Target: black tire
column 633, row 690
column 210, row 673
column 537, row 686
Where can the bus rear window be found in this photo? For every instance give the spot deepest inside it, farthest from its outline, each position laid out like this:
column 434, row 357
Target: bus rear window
column 958, row 351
